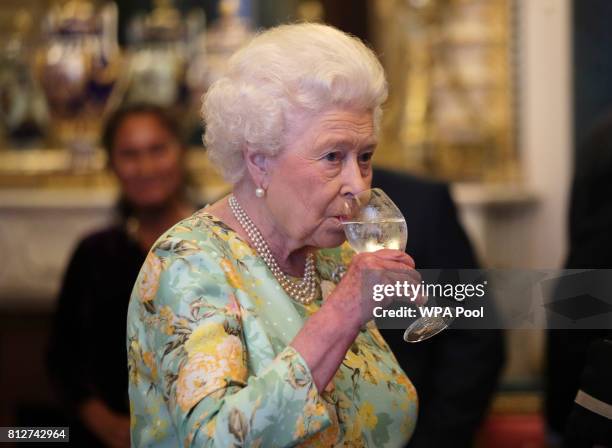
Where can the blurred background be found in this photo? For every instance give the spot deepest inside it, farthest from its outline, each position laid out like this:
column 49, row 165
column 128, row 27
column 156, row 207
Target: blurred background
column 493, row 96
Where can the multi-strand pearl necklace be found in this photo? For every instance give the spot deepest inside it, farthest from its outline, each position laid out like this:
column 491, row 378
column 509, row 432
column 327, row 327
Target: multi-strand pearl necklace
column 304, row 291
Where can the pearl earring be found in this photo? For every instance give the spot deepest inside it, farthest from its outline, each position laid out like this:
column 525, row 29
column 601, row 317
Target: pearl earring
column 260, row 192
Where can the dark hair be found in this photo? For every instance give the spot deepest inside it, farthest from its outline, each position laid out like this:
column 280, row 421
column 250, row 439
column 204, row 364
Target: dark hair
column 116, row 119
column 114, row 122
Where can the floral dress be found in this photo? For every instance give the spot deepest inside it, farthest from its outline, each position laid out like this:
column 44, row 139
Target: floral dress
column 210, row 364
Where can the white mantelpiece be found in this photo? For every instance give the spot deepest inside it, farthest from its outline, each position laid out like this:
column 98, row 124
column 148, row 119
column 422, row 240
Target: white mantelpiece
column 496, row 218
column 38, row 232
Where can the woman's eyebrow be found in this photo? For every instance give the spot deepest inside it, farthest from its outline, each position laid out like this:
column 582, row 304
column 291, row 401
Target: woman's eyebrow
column 342, row 142
column 371, row 143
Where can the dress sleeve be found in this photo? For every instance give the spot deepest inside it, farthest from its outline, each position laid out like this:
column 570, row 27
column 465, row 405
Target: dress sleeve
column 192, row 347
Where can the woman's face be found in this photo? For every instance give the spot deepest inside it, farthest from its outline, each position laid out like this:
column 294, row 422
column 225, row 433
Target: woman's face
column 147, row 160
column 326, row 158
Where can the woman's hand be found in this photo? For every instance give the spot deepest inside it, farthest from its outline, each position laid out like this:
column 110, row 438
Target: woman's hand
column 112, row 429
column 353, row 297
column 328, row 333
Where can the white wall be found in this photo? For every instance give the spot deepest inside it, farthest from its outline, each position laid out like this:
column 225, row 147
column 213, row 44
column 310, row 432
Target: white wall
column 546, row 122
column 525, row 226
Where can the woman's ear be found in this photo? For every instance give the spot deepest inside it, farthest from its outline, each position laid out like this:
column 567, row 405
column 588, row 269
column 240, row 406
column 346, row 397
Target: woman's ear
column 258, row 165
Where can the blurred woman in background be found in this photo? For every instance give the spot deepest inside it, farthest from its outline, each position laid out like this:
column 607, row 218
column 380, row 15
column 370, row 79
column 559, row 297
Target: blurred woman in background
column 87, row 358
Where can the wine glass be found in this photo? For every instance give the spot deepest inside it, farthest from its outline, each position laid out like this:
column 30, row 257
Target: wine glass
column 374, row 222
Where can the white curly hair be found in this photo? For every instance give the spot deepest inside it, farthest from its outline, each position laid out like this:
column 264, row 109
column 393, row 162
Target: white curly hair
column 286, row 70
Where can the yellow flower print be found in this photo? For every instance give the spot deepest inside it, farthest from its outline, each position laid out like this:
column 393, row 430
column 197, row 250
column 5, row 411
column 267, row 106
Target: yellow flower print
column 135, row 346
column 410, row 396
column 149, row 361
column 354, row 361
column 367, row 415
column 346, row 254
column 404, row 381
column 232, row 350
column 224, row 236
column 353, row 432
column 344, row 402
column 201, row 375
column 134, row 358
column 329, row 436
column 205, row 339
column 159, row 429
column 166, row 313
column 239, row 249
column 149, row 278
column 232, row 277
column 374, row 373
column 314, row 409
column 311, row 308
column 211, row 338
column 300, row 428
column 133, row 373
column 327, row 287
column 377, row 337
column 181, row 323
column 213, row 356
column 166, row 320
column 133, row 416
column 181, row 229
column 197, row 425
column 210, row 427
column 315, row 425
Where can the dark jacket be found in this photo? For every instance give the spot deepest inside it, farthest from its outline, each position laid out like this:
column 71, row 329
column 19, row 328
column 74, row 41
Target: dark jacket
column 455, row 372
column 87, row 353
column 590, row 247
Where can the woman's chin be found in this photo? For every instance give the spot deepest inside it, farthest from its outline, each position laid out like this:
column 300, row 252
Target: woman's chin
column 151, row 200
column 332, row 238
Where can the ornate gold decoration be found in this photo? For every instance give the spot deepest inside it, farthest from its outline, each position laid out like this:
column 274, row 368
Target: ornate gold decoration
column 450, row 112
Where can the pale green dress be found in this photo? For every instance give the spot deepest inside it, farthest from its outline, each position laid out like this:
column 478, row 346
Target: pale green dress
column 208, row 336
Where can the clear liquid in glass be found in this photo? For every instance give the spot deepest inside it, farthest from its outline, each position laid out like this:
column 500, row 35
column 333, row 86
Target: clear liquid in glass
column 370, row 236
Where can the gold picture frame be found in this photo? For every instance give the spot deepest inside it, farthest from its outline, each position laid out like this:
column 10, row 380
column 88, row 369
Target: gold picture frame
column 451, row 67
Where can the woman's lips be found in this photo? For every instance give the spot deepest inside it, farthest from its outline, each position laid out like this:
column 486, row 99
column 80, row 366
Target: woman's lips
column 341, row 218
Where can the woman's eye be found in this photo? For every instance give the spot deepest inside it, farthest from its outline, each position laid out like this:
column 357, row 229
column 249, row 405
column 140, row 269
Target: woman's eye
column 365, row 157
column 159, row 149
column 332, row 156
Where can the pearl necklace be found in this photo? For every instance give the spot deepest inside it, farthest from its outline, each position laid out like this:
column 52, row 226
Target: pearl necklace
column 303, row 292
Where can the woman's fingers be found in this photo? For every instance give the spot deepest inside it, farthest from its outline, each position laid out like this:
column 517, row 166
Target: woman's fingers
column 406, row 282
column 387, row 271
column 390, row 274
column 397, row 255
column 373, row 260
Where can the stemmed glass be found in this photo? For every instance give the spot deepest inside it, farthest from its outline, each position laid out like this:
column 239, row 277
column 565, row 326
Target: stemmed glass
column 374, row 222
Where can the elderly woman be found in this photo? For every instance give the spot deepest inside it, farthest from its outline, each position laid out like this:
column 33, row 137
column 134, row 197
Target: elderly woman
column 242, row 328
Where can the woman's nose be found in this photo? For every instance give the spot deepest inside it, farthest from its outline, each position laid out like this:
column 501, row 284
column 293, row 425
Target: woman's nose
column 354, row 179
column 146, row 165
